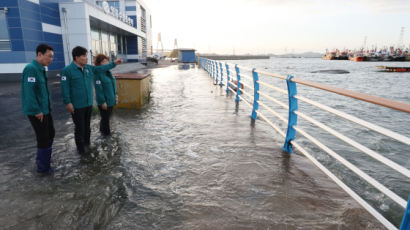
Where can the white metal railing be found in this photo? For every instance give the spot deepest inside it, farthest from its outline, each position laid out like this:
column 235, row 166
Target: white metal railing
column 225, row 74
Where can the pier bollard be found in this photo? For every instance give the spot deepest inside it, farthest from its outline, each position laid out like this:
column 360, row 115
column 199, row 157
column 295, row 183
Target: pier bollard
column 255, row 94
column 405, row 223
column 238, row 83
column 293, row 117
column 228, row 78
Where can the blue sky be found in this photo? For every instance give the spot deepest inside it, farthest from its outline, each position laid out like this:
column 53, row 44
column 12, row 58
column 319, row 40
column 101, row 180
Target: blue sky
column 278, row 26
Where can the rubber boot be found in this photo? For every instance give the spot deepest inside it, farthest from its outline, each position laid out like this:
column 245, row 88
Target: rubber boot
column 43, row 160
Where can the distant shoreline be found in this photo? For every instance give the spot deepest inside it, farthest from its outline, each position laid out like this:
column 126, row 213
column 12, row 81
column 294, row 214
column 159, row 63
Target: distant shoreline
column 234, row 57
column 260, row 56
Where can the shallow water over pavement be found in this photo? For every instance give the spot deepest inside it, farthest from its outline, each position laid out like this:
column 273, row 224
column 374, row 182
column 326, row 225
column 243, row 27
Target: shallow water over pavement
column 190, row 159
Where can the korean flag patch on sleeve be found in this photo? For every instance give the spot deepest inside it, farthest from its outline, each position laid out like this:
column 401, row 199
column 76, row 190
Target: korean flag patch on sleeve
column 31, row 79
column 98, row 82
column 63, row 78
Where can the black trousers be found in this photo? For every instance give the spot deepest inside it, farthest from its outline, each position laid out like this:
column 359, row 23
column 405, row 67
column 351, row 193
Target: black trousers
column 82, row 132
column 105, row 120
column 44, row 130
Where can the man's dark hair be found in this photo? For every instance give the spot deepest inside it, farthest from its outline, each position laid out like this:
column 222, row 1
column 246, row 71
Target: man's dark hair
column 79, row 51
column 42, row 48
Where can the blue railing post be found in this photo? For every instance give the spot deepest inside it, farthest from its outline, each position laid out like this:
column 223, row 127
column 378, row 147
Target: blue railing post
column 293, row 118
column 211, row 68
column 217, row 72
column 405, row 223
column 222, row 74
column 238, row 83
column 227, row 78
column 255, row 94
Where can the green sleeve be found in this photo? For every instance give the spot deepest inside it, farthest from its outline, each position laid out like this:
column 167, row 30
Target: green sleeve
column 115, row 86
column 104, row 67
column 99, row 90
column 65, row 82
column 29, row 98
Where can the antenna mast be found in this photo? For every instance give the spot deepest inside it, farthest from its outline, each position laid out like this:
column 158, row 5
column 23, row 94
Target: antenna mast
column 400, row 42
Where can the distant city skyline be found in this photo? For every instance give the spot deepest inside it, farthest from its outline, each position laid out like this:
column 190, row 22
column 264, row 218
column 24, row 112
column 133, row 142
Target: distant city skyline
column 277, row 26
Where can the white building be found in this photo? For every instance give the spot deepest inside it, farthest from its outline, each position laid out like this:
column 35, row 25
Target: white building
column 117, row 28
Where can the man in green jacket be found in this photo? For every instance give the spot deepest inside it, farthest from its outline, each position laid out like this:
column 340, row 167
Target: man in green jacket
column 36, row 104
column 77, row 91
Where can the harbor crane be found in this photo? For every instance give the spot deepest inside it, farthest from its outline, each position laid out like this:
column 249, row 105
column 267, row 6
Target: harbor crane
column 160, row 42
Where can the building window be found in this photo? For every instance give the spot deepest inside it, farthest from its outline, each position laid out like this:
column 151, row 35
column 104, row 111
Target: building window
column 143, row 18
column 121, row 44
column 105, row 43
column 143, row 13
column 4, row 33
column 113, row 47
column 124, row 44
column 95, row 43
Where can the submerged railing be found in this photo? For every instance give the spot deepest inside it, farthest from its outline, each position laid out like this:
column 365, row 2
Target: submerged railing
column 231, row 76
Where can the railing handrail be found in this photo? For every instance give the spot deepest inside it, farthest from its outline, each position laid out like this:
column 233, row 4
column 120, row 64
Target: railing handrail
column 397, row 105
column 293, row 114
column 373, row 127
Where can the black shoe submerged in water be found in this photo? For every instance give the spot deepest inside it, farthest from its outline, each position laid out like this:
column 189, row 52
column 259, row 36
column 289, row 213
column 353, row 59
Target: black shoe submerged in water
column 90, row 148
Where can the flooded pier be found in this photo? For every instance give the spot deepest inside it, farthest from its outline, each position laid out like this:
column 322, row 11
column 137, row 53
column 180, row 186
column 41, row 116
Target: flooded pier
column 190, row 159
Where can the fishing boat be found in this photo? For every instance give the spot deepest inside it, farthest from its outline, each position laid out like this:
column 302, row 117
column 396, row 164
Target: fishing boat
column 356, row 57
column 393, row 68
column 329, row 56
column 341, row 55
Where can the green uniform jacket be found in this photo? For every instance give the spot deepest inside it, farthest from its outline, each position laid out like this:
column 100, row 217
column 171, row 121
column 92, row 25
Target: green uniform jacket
column 105, row 87
column 34, row 90
column 76, row 84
